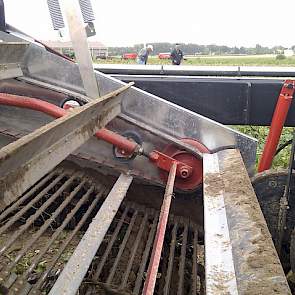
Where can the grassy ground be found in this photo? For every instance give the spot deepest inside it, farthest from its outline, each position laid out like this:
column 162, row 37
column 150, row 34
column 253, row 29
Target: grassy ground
column 253, row 60
column 260, row 133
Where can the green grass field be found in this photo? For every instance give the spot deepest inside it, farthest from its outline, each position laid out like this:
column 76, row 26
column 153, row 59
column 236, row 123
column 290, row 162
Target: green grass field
column 251, row 60
column 260, row 133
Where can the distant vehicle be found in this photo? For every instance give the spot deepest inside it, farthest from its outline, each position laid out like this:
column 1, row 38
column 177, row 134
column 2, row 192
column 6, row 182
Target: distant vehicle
column 129, row 56
column 102, row 55
column 164, row 55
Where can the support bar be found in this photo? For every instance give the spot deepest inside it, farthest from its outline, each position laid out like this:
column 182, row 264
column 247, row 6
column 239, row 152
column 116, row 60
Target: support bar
column 150, row 282
column 277, row 124
column 239, row 252
column 80, row 45
column 72, row 275
column 25, row 161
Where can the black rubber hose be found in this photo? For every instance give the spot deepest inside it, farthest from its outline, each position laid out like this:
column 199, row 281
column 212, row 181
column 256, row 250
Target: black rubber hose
column 284, row 145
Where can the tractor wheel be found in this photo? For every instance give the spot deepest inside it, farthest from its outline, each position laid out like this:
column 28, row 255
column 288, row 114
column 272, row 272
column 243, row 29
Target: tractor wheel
column 269, row 187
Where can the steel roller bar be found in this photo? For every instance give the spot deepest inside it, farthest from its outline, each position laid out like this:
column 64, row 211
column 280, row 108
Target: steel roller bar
column 25, row 161
column 150, row 282
column 76, row 268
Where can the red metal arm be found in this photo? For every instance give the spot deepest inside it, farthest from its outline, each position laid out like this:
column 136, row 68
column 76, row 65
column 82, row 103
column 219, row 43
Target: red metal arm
column 126, row 146
column 54, row 111
column 277, row 124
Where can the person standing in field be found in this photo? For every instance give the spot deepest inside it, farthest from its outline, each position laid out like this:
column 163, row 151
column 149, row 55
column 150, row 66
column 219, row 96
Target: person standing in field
column 143, row 54
column 176, row 55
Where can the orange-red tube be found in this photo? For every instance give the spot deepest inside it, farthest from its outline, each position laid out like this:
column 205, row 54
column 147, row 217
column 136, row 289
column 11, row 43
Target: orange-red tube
column 277, row 124
column 52, row 110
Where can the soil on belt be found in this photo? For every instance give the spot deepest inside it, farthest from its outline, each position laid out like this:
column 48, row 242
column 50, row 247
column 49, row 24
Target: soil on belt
column 259, row 257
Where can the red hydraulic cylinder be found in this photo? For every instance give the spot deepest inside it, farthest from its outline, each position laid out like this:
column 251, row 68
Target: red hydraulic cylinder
column 129, row 147
column 277, row 124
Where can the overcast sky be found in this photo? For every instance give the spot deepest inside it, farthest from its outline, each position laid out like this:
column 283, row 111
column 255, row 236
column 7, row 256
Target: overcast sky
column 127, row 22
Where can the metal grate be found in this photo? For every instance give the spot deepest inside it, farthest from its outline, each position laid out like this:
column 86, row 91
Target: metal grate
column 41, row 229
column 122, row 260
column 39, row 232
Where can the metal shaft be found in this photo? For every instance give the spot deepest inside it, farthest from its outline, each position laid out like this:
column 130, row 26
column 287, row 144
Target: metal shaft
column 150, row 282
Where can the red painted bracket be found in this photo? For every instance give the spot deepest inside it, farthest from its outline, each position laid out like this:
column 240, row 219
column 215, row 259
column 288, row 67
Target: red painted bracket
column 165, row 163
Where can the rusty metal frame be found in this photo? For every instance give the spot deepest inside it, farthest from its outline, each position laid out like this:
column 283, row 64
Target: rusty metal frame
column 150, row 282
column 25, row 161
column 73, row 274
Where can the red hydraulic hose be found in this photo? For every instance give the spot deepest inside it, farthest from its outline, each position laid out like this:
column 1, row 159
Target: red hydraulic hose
column 129, row 147
column 277, row 124
column 32, row 103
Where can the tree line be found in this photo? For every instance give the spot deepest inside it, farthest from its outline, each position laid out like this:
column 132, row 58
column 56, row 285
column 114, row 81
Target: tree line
column 195, row 49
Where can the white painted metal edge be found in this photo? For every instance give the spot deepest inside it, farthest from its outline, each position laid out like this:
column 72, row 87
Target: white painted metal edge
column 219, row 265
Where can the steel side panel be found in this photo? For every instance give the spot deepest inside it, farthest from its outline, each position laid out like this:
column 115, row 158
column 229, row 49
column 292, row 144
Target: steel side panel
column 142, row 106
column 148, row 109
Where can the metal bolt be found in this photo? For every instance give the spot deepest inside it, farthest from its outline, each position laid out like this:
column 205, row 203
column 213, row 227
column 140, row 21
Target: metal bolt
column 184, row 172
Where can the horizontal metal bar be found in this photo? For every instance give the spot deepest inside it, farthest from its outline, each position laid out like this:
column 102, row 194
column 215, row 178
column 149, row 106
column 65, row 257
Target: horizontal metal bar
column 25, row 161
column 239, row 253
column 71, row 277
column 170, row 70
